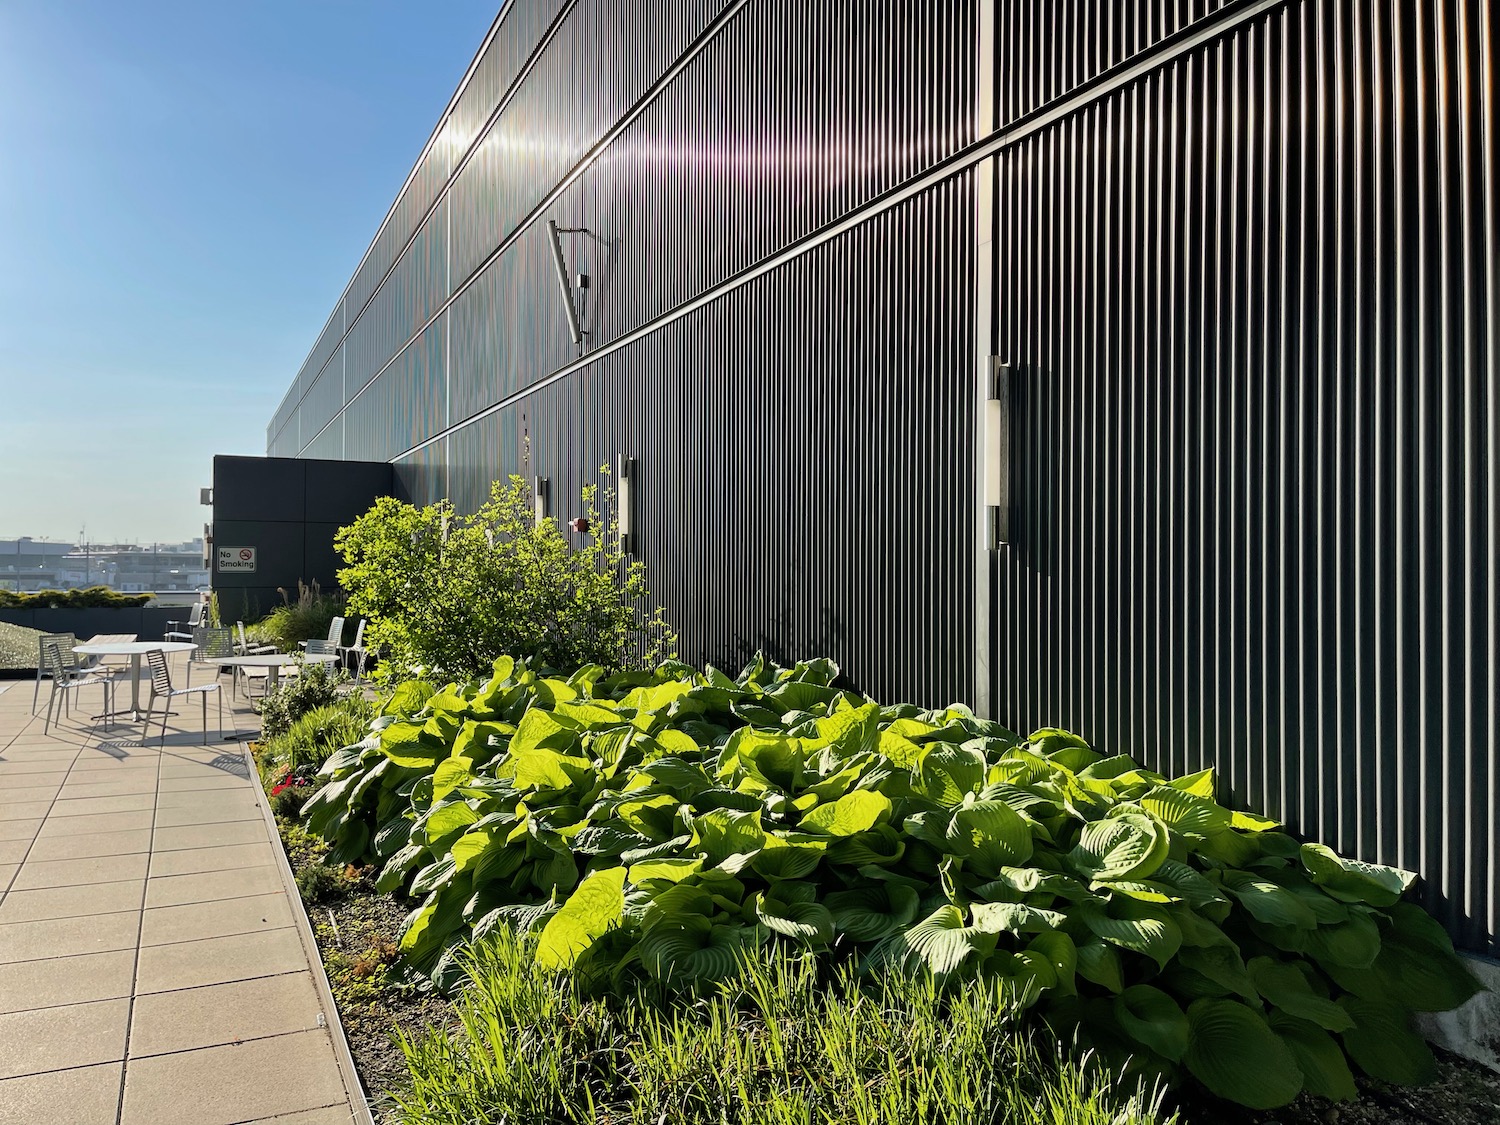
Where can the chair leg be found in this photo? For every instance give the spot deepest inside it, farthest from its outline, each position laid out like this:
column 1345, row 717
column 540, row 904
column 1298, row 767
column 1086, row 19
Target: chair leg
column 51, row 699
column 36, row 690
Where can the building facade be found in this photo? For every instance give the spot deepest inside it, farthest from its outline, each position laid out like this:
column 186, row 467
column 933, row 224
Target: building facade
column 1127, row 366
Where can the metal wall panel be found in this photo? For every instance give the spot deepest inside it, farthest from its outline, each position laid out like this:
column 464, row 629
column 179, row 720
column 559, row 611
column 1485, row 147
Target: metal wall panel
column 1252, row 299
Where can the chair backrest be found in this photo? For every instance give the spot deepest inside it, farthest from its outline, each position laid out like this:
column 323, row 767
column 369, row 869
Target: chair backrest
column 64, row 643
column 359, row 634
column 239, row 627
column 195, row 615
column 52, row 658
column 321, row 648
column 336, row 631
column 213, row 644
column 161, row 678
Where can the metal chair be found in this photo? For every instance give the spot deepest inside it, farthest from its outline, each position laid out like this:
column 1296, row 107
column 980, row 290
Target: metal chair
column 65, row 641
column 244, row 648
column 214, row 645
column 335, row 633
column 356, row 650
column 66, row 679
column 194, row 621
column 161, row 688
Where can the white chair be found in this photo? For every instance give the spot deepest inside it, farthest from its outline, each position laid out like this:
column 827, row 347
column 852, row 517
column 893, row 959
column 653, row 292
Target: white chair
column 243, row 676
column 194, row 621
column 214, row 645
column 66, row 679
column 161, row 688
column 65, row 642
column 335, row 634
column 356, row 650
column 244, row 648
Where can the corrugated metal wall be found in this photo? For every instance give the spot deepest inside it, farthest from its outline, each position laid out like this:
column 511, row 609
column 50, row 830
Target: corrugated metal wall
column 1249, row 291
column 1252, row 299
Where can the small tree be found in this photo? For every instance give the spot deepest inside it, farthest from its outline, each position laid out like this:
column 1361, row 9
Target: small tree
column 451, row 592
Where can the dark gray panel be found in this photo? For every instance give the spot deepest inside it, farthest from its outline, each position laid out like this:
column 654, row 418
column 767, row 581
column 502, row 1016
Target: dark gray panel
column 340, row 491
column 259, row 488
column 279, row 552
column 320, row 560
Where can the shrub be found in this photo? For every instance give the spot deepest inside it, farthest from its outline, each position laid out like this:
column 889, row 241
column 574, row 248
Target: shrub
column 318, row 884
column 321, row 731
column 668, row 825
column 308, row 618
column 448, row 592
column 91, row 597
column 771, row 1044
column 316, row 686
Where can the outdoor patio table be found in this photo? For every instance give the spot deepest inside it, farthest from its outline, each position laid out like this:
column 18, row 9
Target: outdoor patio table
column 134, row 650
column 274, row 662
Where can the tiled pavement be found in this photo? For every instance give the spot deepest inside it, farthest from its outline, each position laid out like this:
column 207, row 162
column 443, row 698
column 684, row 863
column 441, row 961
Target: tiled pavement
column 151, row 968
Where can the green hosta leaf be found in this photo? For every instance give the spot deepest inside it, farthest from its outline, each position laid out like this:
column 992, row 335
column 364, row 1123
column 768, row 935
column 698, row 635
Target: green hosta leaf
column 1014, row 918
column 770, row 757
column 674, row 870
column 807, row 922
column 1155, row 1020
column 989, row 835
column 1222, row 965
column 589, row 715
column 1353, row 944
column 467, row 849
column 1128, row 846
column 1325, row 1072
column 1200, row 784
column 405, row 744
column 1268, row 902
column 1059, row 952
column 725, row 832
column 1249, row 822
column 451, row 773
column 1236, row 1055
column 539, row 768
column 947, row 773
column 1353, row 881
column 852, row 813
column 1100, row 963
column 1137, row 926
column 437, row 874
column 1285, row 987
column 398, row 867
column 1184, row 811
column 882, row 846
column 445, row 821
column 788, row 856
column 942, row 942
column 873, row 913
column 683, row 780
column 1383, row 1044
column 591, row 910
column 654, row 817
column 692, row 948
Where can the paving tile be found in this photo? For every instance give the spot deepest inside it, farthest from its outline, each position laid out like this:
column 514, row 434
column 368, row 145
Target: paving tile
column 14, row 794
column 11, row 769
column 86, row 844
column 211, row 835
column 211, row 782
column 238, row 796
column 53, row 1038
column 82, row 1096
column 220, row 1085
column 70, row 902
column 22, row 828
column 226, row 812
column 94, row 806
column 223, row 1013
column 96, row 763
column 38, row 874
column 104, row 822
column 209, row 886
column 188, row 964
column 24, row 810
column 166, row 924
column 7, row 872
column 191, row 861
column 13, row 851
column 21, row 776
column 91, row 785
column 332, row 1115
column 64, row 937
column 66, row 980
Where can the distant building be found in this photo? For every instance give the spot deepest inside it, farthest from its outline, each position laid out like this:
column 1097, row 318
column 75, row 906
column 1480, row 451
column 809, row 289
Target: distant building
column 28, row 564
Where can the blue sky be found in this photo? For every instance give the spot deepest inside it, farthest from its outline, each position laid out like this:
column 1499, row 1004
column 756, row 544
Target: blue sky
column 185, row 188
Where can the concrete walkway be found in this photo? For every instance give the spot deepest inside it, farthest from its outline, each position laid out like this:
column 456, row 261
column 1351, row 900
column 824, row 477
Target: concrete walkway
column 152, row 968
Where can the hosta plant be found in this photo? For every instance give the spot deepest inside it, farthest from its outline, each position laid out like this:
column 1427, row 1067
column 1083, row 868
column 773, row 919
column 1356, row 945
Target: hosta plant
column 667, row 825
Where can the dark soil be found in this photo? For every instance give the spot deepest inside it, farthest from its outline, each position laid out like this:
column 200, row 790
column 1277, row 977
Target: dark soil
column 1465, row 1093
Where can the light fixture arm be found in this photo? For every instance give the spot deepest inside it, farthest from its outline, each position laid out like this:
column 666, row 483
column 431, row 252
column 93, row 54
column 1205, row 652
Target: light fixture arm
column 555, row 233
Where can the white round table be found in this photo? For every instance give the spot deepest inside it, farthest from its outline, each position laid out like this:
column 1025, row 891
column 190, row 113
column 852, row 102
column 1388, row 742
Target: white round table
column 274, row 662
column 135, row 650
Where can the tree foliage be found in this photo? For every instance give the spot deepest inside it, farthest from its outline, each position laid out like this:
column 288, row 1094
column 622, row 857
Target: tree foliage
column 447, row 593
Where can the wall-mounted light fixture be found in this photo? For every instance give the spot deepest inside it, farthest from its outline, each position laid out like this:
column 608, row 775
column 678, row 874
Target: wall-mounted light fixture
column 540, row 498
column 625, row 474
column 554, row 234
column 997, row 453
